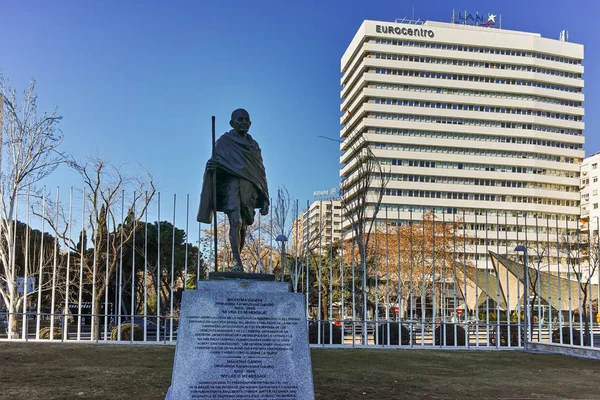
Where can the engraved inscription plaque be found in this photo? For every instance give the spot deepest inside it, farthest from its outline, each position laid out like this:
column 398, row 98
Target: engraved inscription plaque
column 239, row 340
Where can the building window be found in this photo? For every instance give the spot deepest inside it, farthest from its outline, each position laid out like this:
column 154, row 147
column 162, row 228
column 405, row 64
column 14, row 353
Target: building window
column 595, row 206
column 594, row 165
column 476, row 78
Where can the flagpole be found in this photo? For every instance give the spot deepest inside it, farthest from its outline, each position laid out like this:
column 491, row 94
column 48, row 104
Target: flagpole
column 214, row 195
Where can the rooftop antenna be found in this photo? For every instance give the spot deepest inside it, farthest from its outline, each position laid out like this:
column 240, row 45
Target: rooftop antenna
column 413, row 17
column 500, row 21
column 465, row 18
column 564, row 36
column 453, row 15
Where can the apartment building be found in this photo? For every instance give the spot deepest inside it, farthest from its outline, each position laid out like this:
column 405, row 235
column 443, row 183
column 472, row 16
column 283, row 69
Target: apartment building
column 318, row 227
column 590, row 187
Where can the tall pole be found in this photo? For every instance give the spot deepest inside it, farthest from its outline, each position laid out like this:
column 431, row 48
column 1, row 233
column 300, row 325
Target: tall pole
column 525, row 293
column 214, row 195
column 282, row 239
column 526, row 305
column 283, row 260
column 1, row 130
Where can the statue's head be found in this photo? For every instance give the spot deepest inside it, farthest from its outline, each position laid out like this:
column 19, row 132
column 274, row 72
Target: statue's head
column 240, row 120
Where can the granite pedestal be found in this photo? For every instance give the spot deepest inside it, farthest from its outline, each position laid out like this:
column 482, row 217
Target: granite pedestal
column 242, row 339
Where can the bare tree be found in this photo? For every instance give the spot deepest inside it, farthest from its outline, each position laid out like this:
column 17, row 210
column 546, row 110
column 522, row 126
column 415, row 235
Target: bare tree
column 28, row 152
column 299, row 251
column 362, row 192
column 111, row 217
column 582, row 249
column 536, row 256
column 284, row 210
column 254, row 253
column 592, row 253
column 257, row 248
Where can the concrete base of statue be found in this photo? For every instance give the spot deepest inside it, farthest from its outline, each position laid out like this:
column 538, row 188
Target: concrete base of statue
column 242, row 336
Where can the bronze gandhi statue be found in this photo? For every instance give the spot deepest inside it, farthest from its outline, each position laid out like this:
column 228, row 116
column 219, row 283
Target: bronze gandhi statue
column 241, row 182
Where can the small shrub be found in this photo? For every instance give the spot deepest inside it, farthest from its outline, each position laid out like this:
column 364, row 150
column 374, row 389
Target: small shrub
column 313, row 333
column 394, row 331
column 138, row 333
column 484, row 317
column 461, row 336
column 45, row 333
column 515, row 316
column 566, row 336
column 504, row 335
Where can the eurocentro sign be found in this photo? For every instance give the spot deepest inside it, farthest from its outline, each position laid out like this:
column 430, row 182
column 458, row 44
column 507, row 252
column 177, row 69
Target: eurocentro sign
column 404, row 31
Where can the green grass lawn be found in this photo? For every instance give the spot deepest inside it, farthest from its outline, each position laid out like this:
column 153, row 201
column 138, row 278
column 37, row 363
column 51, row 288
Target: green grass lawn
column 70, row 371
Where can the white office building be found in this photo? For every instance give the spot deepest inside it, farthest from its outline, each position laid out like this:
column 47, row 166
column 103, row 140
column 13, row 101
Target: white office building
column 473, row 122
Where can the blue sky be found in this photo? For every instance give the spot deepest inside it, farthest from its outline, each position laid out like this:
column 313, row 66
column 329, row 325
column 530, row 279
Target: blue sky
column 137, row 81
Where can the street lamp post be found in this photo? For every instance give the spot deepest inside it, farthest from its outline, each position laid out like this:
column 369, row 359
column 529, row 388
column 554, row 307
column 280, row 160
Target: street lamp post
column 282, row 239
column 525, row 292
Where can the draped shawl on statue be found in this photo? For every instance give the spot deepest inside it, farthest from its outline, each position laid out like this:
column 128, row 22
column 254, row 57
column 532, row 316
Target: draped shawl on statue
column 238, row 156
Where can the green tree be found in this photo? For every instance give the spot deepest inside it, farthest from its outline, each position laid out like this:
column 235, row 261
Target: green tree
column 161, row 252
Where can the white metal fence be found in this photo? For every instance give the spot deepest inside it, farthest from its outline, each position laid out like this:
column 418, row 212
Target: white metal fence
column 76, row 268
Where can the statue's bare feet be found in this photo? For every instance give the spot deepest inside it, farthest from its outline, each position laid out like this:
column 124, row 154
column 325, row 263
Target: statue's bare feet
column 237, row 268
